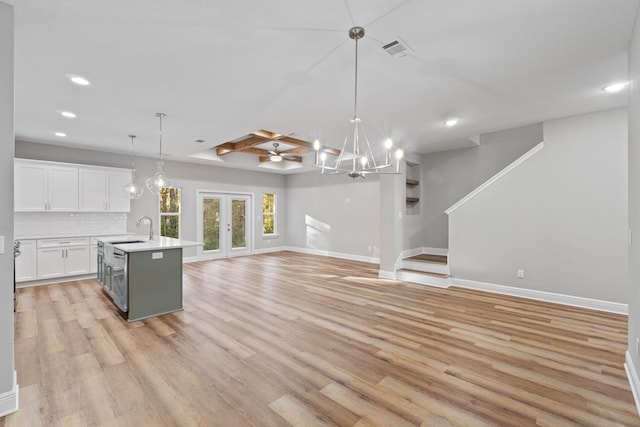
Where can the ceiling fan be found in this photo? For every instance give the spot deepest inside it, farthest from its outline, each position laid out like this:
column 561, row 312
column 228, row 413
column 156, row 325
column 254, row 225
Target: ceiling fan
column 276, row 155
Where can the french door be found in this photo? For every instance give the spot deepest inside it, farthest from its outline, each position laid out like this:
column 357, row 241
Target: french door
column 224, row 224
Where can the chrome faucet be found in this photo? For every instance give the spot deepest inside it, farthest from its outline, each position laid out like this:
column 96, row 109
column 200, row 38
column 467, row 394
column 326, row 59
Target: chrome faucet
column 150, row 225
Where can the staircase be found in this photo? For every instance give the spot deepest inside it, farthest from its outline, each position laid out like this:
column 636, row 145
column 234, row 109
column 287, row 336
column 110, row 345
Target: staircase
column 425, row 269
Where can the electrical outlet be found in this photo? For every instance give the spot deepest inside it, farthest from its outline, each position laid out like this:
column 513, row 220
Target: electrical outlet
column 520, row 273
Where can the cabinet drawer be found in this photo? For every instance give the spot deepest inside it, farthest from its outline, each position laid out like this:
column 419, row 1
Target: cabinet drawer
column 62, row 243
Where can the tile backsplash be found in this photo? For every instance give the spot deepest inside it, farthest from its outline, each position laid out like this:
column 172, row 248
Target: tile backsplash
column 50, row 224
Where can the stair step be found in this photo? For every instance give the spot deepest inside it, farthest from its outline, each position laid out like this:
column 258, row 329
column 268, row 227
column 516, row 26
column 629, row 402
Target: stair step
column 435, row 259
column 424, row 273
column 423, row 278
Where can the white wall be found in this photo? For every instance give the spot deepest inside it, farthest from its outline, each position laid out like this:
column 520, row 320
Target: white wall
column 634, row 196
column 334, row 213
column 189, row 177
column 561, row 216
column 8, row 395
column 449, row 176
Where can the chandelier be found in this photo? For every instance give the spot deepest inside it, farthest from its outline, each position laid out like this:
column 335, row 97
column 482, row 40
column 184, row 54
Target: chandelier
column 132, row 189
column 360, row 160
column 159, row 181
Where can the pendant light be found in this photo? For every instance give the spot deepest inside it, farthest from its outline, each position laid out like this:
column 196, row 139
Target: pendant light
column 159, row 181
column 360, row 161
column 132, row 189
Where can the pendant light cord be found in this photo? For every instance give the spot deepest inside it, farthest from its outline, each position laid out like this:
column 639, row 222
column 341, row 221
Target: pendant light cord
column 355, row 94
column 133, row 165
column 160, row 115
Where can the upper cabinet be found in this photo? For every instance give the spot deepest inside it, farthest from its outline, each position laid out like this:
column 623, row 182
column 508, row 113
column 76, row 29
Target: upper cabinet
column 102, row 190
column 45, row 187
column 61, row 187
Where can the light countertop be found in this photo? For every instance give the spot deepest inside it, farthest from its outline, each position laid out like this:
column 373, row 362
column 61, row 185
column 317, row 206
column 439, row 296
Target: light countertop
column 158, row 242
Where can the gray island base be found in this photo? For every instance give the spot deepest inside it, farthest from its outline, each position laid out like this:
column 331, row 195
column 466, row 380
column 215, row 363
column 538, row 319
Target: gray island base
column 155, row 283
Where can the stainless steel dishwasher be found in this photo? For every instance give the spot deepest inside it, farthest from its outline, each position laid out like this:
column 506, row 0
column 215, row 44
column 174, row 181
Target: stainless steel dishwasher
column 115, row 276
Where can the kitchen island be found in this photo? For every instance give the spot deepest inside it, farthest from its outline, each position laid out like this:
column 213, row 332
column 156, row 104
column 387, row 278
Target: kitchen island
column 142, row 277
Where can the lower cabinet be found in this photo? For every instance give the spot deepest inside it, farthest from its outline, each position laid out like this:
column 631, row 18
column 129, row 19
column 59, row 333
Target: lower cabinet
column 58, row 257
column 26, row 263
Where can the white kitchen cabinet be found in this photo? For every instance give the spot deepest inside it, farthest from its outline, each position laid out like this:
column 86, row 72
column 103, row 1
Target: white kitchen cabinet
column 63, row 257
column 45, row 187
column 101, row 190
column 26, row 263
column 93, row 190
column 63, row 188
column 30, row 186
column 118, row 199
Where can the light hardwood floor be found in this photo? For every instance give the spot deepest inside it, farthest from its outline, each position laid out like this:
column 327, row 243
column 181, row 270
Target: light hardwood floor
column 287, row 338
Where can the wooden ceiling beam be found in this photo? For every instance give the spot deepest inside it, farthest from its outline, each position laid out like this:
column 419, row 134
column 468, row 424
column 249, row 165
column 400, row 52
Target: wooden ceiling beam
column 330, row 150
column 297, row 150
column 251, row 141
column 256, row 151
column 226, row 148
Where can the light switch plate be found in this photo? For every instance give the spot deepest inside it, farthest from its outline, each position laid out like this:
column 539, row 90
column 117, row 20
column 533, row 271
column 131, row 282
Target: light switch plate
column 1, row 244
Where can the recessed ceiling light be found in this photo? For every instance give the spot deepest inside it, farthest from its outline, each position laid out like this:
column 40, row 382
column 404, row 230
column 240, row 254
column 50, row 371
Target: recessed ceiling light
column 615, row 87
column 451, row 122
column 79, row 80
column 60, row 134
column 68, row 114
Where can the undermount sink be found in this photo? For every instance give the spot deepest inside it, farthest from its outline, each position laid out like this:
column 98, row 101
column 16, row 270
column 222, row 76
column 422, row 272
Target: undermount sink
column 127, row 241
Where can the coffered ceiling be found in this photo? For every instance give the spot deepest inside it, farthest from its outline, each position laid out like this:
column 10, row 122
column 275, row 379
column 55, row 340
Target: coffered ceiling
column 222, row 69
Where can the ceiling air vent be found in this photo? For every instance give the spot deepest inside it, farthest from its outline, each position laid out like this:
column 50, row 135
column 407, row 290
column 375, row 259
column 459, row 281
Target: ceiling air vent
column 397, row 48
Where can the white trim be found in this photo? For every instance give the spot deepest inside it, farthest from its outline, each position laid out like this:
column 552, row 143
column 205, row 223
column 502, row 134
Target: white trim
column 611, row 307
column 372, row 260
column 53, row 281
column 9, row 401
column 435, row 251
column 495, row 178
column 269, row 250
column 383, row 274
column 632, row 376
column 407, row 253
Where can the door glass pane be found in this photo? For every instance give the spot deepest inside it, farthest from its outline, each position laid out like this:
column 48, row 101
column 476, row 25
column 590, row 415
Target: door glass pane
column 238, row 224
column 211, row 224
column 169, row 226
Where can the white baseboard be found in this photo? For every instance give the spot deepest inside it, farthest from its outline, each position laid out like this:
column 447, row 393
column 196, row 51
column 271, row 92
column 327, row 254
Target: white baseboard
column 435, row 251
column 611, row 307
column 55, row 280
column 269, row 250
column 407, row 253
column 9, row 401
column 372, row 260
column 634, row 382
column 383, row 274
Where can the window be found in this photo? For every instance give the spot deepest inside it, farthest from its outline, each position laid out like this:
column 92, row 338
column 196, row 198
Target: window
column 268, row 214
column 170, row 212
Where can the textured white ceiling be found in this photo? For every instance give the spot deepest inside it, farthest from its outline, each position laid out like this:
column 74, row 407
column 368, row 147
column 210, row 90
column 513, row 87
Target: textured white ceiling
column 223, row 69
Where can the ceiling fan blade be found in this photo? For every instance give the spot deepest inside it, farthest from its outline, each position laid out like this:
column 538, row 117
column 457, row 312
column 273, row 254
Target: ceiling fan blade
column 297, row 159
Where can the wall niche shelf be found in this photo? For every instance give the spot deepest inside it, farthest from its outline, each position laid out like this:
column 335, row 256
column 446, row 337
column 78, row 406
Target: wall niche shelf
column 412, row 193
